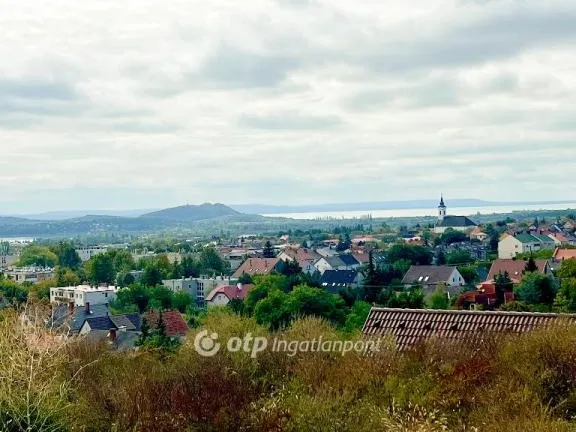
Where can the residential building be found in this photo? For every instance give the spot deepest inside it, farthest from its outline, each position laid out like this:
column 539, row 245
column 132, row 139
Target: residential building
column 478, row 234
column 303, row 256
column 8, row 261
column 84, row 294
column 335, row 280
column 121, row 331
column 198, row 288
column 175, row 324
column 515, row 269
column 408, row 328
column 69, row 319
column 484, row 297
column 29, row 274
column 87, row 253
column 337, row 262
column 512, row 245
column 258, row 266
column 445, row 221
column 430, row 276
column 222, row 295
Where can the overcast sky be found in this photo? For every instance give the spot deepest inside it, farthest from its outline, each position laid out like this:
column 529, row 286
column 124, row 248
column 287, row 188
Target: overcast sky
column 145, row 104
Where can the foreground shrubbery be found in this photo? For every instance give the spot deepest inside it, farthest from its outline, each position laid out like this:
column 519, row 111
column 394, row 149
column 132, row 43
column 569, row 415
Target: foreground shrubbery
column 524, row 384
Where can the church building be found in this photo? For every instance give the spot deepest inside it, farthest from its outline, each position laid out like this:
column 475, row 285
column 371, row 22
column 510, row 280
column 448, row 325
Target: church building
column 459, row 223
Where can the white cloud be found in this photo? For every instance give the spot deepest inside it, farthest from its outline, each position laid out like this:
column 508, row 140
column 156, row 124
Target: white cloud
column 146, row 104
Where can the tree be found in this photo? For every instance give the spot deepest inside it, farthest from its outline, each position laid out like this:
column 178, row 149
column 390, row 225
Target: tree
column 237, row 306
column 273, row 310
column 152, row 276
column 469, row 273
column 411, row 298
column 531, row 266
column 144, row 332
column 290, row 268
column 344, row 243
column 182, row 301
column 459, row 257
column 536, row 289
column 451, row 236
column 357, row 316
column 67, row 255
column 211, row 263
column 565, row 300
column 308, row 301
column 439, row 299
column 65, row 276
column 100, row 269
column 268, row 250
column 417, row 255
column 503, row 284
column 38, row 256
column 441, row 258
column 568, row 269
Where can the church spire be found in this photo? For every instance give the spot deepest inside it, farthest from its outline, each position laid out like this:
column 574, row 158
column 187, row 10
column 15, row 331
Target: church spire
column 442, row 201
column 441, row 209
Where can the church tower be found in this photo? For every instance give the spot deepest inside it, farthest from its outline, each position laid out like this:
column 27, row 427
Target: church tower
column 441, row 210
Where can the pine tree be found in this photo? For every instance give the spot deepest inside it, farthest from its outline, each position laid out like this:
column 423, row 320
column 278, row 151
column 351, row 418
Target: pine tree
column 144, row 332
column 531, row 266
column 268, row 250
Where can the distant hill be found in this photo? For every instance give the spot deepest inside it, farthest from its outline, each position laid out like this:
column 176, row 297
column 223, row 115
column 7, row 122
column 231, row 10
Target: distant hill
column 190, row 213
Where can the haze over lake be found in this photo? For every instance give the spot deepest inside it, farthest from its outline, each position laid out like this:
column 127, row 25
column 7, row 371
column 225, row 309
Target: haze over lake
column 420, row 212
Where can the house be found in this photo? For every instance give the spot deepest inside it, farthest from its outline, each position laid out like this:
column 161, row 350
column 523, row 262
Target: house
column 484, row 296
column 337, row 262
column 32, row 275
column 478, row 234
column 515, row 269
column 70, row 319
column 8, row 260
column 563, row 254
column 303, row 256
column 458, row 223
column 222, row 295
column 512, row 245
column 198, row 288
column 430, row 277
column 82, row 294
column 335, row 280
column 408, row 328
column 257, row 266
column 175, row 324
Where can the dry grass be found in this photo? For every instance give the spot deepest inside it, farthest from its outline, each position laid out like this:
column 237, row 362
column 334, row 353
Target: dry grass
column 523, row 384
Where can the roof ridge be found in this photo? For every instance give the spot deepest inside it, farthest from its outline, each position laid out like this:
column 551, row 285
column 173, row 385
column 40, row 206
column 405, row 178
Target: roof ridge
column 475, row 312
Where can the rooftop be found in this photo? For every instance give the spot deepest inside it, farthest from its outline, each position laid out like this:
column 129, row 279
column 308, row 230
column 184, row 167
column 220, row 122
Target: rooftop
column 409, row 327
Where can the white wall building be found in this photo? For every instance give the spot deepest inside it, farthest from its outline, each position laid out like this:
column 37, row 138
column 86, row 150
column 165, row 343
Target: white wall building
column 198, row 288
column 83, row 294
column 86, row 254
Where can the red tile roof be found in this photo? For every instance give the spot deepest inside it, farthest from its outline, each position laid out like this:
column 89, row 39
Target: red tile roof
column 231, row 291
column 515, row 268
column 175, row 324
column 409, row 327
column 362, row 257
column 256, row 266
column 302, row 256
column 564, row 254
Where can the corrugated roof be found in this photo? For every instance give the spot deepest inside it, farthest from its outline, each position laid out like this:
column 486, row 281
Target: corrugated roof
column 412, row 326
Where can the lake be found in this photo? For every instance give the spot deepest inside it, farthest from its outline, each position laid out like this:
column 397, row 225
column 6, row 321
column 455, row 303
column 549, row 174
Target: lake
column 390, row 213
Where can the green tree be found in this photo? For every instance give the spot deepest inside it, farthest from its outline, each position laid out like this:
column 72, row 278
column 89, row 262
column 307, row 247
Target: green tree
column 469, row 273
column 65, row 276
column 308, row 301
column 182, row 301
column 100, row 269
column 531, row 266
column 439, row 299
column 38, row 256
column 565, row 300
column 237, row 306
column 268, row 250
column 357, row 316
column 503, row 284
column 417, row 255
column 152, row 276
column 273, row 310
column 536, row 289
column 67, row 255
column 568, row 269
column 211, row 263
column 459, row 257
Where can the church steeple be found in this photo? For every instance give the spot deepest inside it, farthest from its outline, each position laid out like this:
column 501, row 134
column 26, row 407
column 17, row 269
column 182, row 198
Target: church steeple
column 441, row 209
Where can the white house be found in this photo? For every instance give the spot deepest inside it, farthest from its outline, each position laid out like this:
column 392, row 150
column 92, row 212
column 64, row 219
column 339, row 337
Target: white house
column 222, row 295
column 458, row 223
column 510, row 246
column 339, row 262
column 198, row 288
column 83, row 294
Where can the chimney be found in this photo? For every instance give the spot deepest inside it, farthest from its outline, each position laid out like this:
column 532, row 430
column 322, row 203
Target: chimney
column 71, row 307
column 112, row 335
column 87, row 307
column 239, row 286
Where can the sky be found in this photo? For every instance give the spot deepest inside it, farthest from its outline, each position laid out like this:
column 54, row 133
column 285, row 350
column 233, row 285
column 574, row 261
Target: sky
column 148, row 104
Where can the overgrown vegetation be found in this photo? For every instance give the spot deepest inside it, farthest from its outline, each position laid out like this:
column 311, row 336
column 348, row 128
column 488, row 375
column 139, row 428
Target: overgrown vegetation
column 526, row 383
